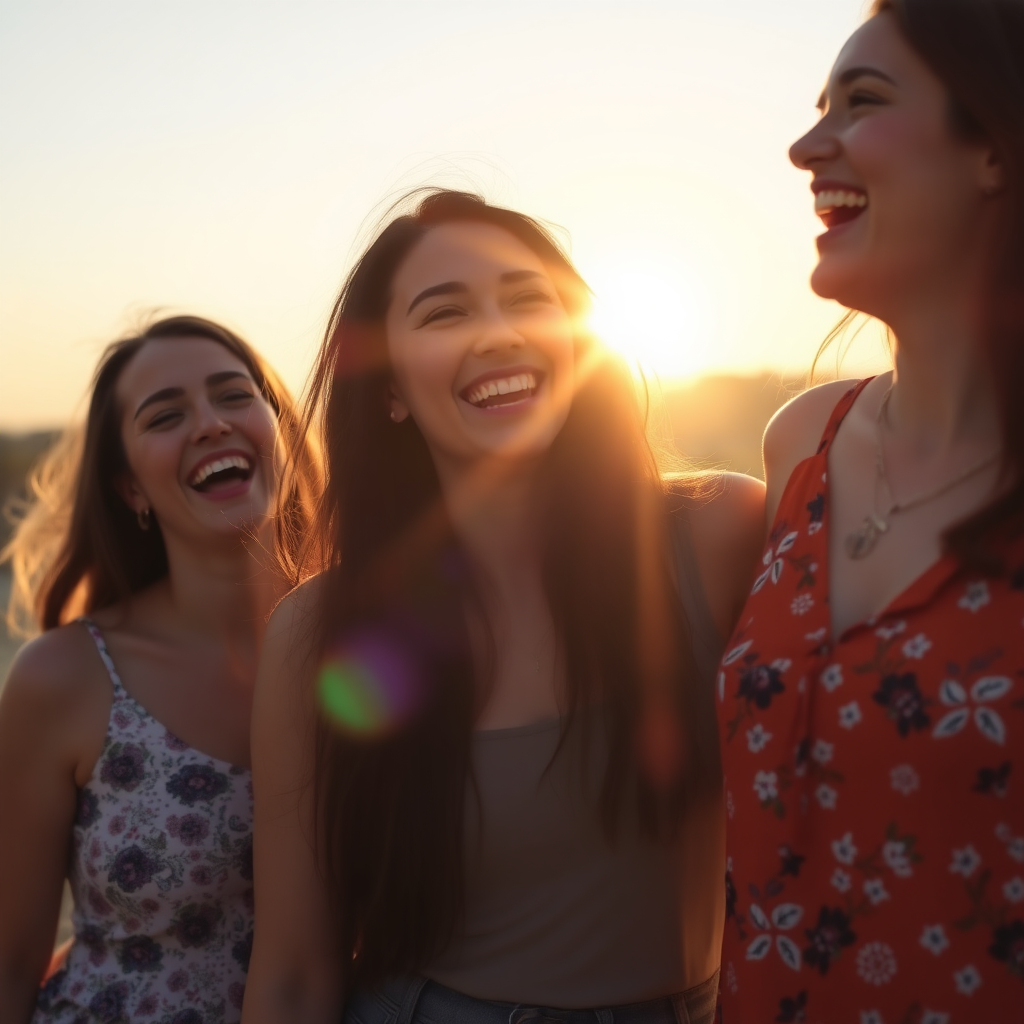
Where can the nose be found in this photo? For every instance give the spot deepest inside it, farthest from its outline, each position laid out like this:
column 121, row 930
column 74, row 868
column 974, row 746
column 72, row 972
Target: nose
column 817, row 146
column 496, row 334
column 209, row 423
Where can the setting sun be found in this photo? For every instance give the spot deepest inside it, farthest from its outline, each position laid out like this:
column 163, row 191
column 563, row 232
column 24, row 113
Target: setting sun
column 644, row 308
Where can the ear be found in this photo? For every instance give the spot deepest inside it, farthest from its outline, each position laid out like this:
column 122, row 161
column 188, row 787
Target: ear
column 132, row 496
column 398, row 409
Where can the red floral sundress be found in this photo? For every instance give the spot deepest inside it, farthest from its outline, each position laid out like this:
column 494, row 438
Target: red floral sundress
column 874, row 790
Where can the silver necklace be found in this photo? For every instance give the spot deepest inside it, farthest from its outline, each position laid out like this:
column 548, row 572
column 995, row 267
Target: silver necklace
column 862, row 541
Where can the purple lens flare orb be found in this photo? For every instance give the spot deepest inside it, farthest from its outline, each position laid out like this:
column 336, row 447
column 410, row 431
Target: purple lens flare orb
column 369, row 684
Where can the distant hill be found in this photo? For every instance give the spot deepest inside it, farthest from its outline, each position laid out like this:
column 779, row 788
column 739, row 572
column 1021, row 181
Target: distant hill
column 718, row 421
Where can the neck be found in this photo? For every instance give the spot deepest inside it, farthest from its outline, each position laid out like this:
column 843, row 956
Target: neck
column 495, row 512
column 223, row 593
column 943, row 393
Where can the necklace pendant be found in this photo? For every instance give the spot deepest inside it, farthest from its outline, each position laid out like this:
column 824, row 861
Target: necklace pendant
column 861, row 542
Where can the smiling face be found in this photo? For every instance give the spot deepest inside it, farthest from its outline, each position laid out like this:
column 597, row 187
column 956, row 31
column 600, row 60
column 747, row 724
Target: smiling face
column 902, row 197
column 199, row 439
column 480, row 345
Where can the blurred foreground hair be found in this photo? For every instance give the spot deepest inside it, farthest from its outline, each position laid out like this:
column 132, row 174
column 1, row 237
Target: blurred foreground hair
column 77, row 546
column 389, row 808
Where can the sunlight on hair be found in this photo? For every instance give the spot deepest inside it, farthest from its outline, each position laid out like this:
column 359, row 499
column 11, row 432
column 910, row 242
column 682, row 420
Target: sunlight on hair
column 644, row 309
column 368, row 685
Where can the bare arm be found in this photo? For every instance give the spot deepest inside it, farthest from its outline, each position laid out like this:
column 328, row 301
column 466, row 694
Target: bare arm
column 52, row 723
column 295, row 974
column 793, row 434
column 728, row 534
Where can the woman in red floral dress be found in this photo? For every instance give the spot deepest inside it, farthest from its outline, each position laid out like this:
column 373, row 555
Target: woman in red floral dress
column 872, row 696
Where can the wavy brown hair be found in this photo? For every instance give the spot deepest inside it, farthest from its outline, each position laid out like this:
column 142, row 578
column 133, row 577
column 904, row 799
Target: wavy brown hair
column 976, row 49
column 77, row 546
column 389, row 809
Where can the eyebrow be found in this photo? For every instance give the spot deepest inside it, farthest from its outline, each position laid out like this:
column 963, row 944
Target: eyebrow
column 165, row 394
column 458, row 288
column 850, row 74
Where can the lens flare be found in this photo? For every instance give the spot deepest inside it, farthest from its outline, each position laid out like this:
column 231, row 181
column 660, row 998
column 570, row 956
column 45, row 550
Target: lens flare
column 369, row 685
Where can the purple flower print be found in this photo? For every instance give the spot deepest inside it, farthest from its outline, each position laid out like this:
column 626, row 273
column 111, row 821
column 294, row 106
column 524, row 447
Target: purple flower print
column 197, row 782
column 191, row 829
column 98, row 903
column 122, row 719
column 132, row 869
column 173, row 743
column 148, row 1005
column 177, row 981
column 242, row 952
column 243, row 858
column 88, row 809
column 188, row 1016
column 249, row 901
column 827, row 940
column 1009, row 947
column 236, row 993
column 759, row 684
column 140, row 953
column 94, row 940
column 116, row 825
column 123, row 767
column 194, row 926
column 201, row 875
column 903, row 701
column 108, row 1004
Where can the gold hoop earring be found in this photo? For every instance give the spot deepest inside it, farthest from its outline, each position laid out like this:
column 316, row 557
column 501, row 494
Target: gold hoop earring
column 144, row 518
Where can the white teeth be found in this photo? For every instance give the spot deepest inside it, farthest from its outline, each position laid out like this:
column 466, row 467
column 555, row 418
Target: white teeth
column 207, row 470
column 832, row 200
column 502, row 386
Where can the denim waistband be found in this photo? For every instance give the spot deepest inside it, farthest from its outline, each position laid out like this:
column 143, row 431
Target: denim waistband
column 422, row 1001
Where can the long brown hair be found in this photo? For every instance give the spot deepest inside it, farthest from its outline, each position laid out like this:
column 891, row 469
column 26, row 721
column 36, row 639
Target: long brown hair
column 976, row 48
column 389, row 808
column 78, row 547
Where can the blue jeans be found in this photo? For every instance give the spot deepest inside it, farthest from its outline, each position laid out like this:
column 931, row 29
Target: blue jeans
column 421, row 1001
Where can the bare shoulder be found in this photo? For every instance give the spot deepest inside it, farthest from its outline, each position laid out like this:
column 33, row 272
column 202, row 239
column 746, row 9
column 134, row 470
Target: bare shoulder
column 292, row 618
column 725, row 507
column 56, row 699
column 794, row 432
column 54, row 670
column 725, row 515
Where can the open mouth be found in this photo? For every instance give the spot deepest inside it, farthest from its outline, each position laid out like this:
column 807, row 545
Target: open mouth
column 496, row 391
column 221, row 473
column 839, row 206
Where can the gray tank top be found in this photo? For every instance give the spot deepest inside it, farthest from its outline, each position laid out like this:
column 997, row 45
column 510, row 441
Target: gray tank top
column 555, row 915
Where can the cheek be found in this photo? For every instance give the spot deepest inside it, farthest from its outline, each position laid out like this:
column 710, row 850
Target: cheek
column 425, row 371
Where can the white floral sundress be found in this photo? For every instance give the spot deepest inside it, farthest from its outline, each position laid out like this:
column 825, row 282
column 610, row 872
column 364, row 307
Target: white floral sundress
column 161, row 873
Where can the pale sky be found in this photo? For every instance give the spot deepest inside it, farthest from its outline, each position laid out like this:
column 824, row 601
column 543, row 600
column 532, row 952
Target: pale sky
column 228, row 158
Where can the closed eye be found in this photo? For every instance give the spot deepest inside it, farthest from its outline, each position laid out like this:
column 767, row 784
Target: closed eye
column 442, row 313
column 237, row 395
column 532, row 296
column 164, row 418
column 862, row 99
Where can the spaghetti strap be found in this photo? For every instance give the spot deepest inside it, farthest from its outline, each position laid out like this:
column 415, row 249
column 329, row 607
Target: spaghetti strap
column 844, row 405
column 101, row 646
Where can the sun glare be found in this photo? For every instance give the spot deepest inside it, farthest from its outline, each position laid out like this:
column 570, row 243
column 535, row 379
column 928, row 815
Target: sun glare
column 644, row 309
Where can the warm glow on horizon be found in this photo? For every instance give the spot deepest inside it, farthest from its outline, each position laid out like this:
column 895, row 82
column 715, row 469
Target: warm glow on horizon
column 230, row 160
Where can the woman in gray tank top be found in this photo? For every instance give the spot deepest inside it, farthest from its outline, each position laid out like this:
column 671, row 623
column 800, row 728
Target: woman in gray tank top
column 485, row 760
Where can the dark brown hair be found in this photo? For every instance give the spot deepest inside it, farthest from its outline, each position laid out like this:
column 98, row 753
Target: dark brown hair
column 389, row 809
column 976, row 48
column 79, row 547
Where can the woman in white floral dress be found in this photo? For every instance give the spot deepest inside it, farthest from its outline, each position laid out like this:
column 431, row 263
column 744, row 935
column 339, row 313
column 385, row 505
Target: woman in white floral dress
column 124, row 733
